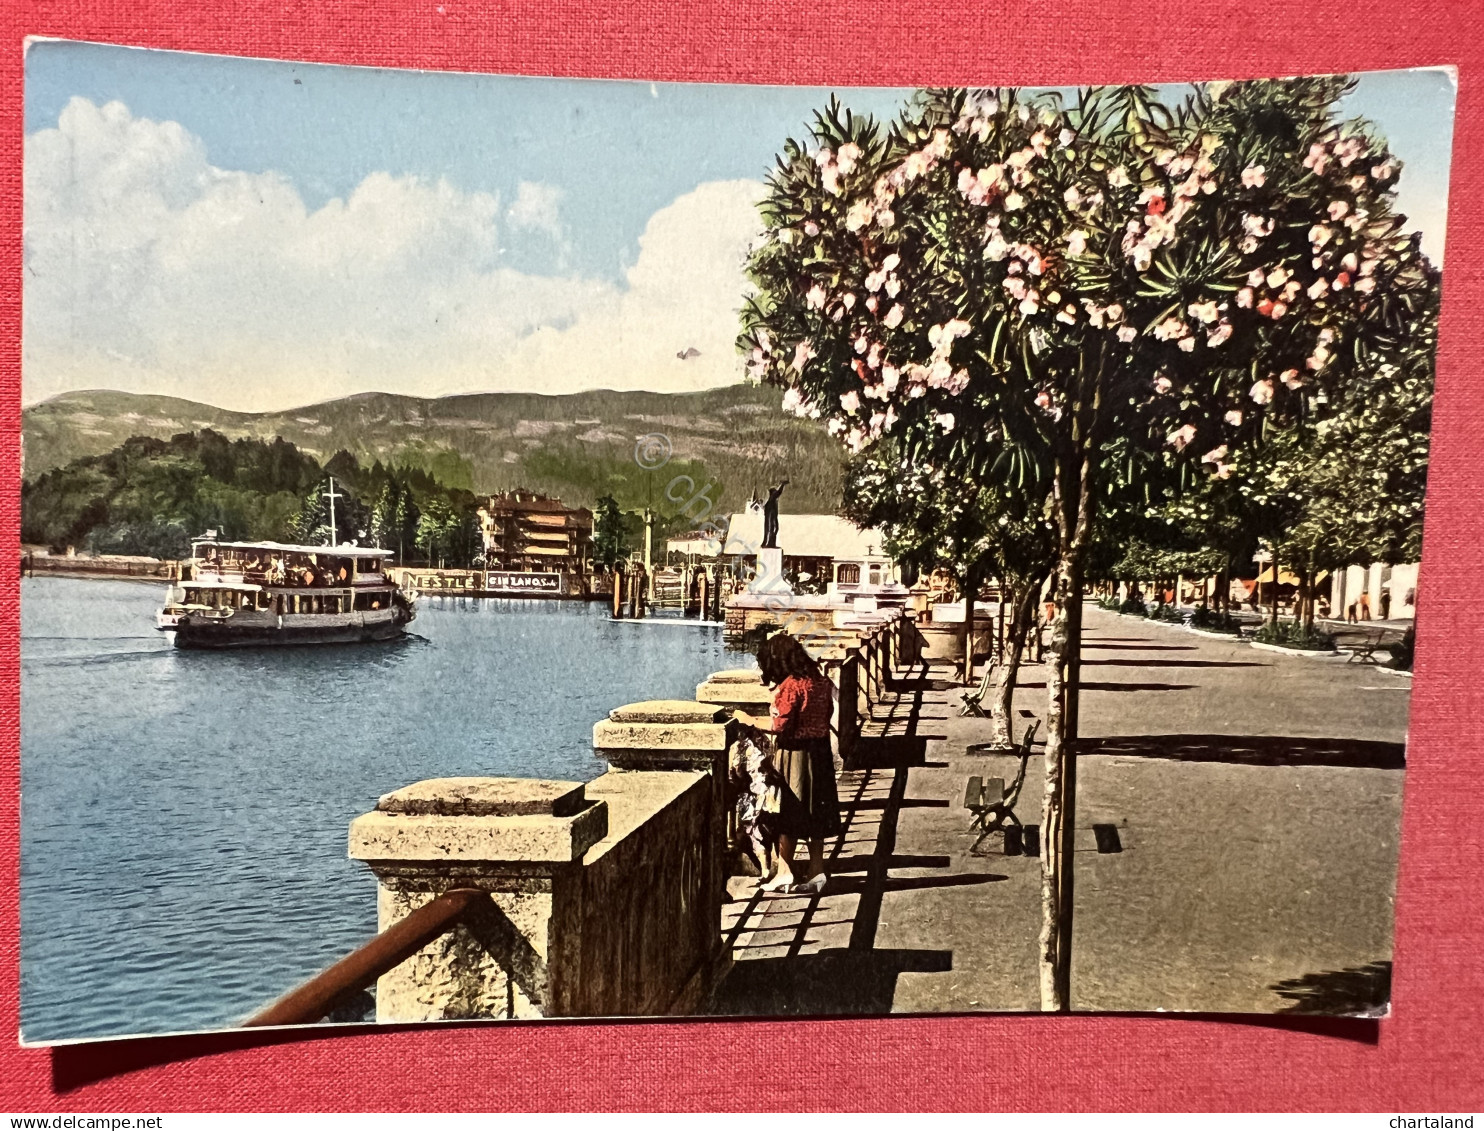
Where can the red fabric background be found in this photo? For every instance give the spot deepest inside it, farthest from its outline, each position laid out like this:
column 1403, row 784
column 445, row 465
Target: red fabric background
column 1426, row 1057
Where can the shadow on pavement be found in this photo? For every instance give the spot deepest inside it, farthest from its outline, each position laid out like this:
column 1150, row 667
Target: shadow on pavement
column 1086, row 686
column 1358, row 991
column 1252, row 750
column 823, row 983
column 1135, row 662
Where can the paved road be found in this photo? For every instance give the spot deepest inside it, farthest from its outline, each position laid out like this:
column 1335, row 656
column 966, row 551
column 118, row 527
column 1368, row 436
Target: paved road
column 1255, row 803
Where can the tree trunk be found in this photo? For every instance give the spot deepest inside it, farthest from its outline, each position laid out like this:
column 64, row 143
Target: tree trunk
column 1273, row 595
column 1023, row 610
column 971, row 590
column 1058, row 806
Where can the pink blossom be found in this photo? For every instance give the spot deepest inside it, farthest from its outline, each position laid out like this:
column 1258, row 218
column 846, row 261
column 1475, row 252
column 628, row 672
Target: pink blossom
column 1066, row 138
column 1186, row 344
column 1365, row 286
column 1255, row 277
column 1319, row 235
column 1127, row 333
column 1162, row 384
column 1043, row 400
column 944, row 420
column 1244, row 298
column 893, row 287
column 872, row 304
column 1254, row 176
column 1076, row 243
column 859, row 215
column 1118, row 177
column 1262, row 391
column 816, row 297
column 1318, row 287
column 1068, row 314
column 1181, row 436
column 1382, row 171
column 1219, row 334
column 848, row 300
column 1337, row 208
column 848, row 155
column 1215, row 455
column 1234, row 417
column 894, row 317
column 811, row 228
column 850, row 402
column 885, row 217
column 891, row 376
column 1277, row 277
column 802, row 353
column 1291, row 379
column 995, row 248
column 792, row 399
column 861, row 344
column 1204, row 311
column 1014, row 202
column 1031, row 303
column 1143, row 257
column 1279, row 310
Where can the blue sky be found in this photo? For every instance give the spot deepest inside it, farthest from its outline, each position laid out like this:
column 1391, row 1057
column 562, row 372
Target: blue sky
column 582, row 210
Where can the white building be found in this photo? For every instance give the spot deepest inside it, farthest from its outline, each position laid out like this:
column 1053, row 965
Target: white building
column 1390, row 589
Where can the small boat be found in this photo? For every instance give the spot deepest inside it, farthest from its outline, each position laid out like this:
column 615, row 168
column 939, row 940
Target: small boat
column 240, row 594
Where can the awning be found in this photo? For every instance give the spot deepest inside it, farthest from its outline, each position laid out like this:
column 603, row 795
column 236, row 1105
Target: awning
column 1284, row 577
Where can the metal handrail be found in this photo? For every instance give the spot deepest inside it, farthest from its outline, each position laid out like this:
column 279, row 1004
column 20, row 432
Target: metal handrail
column 358, row 969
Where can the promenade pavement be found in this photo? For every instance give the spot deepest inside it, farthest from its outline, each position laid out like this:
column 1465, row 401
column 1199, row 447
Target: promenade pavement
column 1238, row 814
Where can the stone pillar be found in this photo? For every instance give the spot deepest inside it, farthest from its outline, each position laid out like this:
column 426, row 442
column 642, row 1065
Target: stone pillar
column 523, row 841
column 769, row 577
column 674, row 734
column 739, row 688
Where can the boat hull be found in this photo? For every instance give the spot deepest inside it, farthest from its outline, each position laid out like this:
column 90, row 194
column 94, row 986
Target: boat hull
column 260, row 630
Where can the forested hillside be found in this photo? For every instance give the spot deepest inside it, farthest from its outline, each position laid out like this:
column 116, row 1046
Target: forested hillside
column 578, row 447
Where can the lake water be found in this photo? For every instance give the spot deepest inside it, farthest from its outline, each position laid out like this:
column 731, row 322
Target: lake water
column 184, row 814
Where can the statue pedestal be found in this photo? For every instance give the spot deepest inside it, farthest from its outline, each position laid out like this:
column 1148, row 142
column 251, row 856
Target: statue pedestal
column 769, row 579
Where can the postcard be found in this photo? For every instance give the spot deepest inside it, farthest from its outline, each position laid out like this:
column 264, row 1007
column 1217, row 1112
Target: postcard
column 503, row 548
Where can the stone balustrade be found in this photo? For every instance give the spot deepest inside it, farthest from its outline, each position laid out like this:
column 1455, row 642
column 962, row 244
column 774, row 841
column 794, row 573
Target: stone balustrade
column 604, row 897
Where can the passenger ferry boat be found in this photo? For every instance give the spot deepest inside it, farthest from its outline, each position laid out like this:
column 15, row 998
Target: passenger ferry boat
column 236, row 594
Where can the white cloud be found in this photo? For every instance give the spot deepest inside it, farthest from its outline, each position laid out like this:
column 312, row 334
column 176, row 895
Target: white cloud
column 537, row 207
column 684, row 291
column 149, row 269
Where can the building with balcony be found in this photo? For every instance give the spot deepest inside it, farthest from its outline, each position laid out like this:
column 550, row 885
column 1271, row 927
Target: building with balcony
column 530, row 533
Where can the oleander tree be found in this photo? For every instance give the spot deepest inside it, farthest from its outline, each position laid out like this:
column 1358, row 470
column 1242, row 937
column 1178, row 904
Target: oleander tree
column 998, row 277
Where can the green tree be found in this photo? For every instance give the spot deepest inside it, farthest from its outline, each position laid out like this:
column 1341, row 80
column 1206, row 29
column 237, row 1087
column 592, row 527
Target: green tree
column 608, row 531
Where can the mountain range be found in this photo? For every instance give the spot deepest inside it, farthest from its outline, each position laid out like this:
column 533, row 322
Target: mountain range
column 576, row 446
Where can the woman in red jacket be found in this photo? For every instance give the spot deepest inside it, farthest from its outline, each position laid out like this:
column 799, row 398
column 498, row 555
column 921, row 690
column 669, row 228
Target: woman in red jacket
column 799, row 721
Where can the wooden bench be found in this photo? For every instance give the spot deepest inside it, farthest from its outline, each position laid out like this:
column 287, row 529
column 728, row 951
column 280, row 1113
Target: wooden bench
column 1365, row 651
column 990, row 802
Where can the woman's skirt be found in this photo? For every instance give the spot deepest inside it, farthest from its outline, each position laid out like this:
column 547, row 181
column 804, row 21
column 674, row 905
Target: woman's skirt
column 810, row 807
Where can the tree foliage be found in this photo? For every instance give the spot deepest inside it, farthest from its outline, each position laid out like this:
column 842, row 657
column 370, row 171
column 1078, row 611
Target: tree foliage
column 151, row 497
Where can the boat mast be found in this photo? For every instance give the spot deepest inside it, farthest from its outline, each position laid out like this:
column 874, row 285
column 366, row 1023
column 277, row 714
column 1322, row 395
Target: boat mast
column 332, row 496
